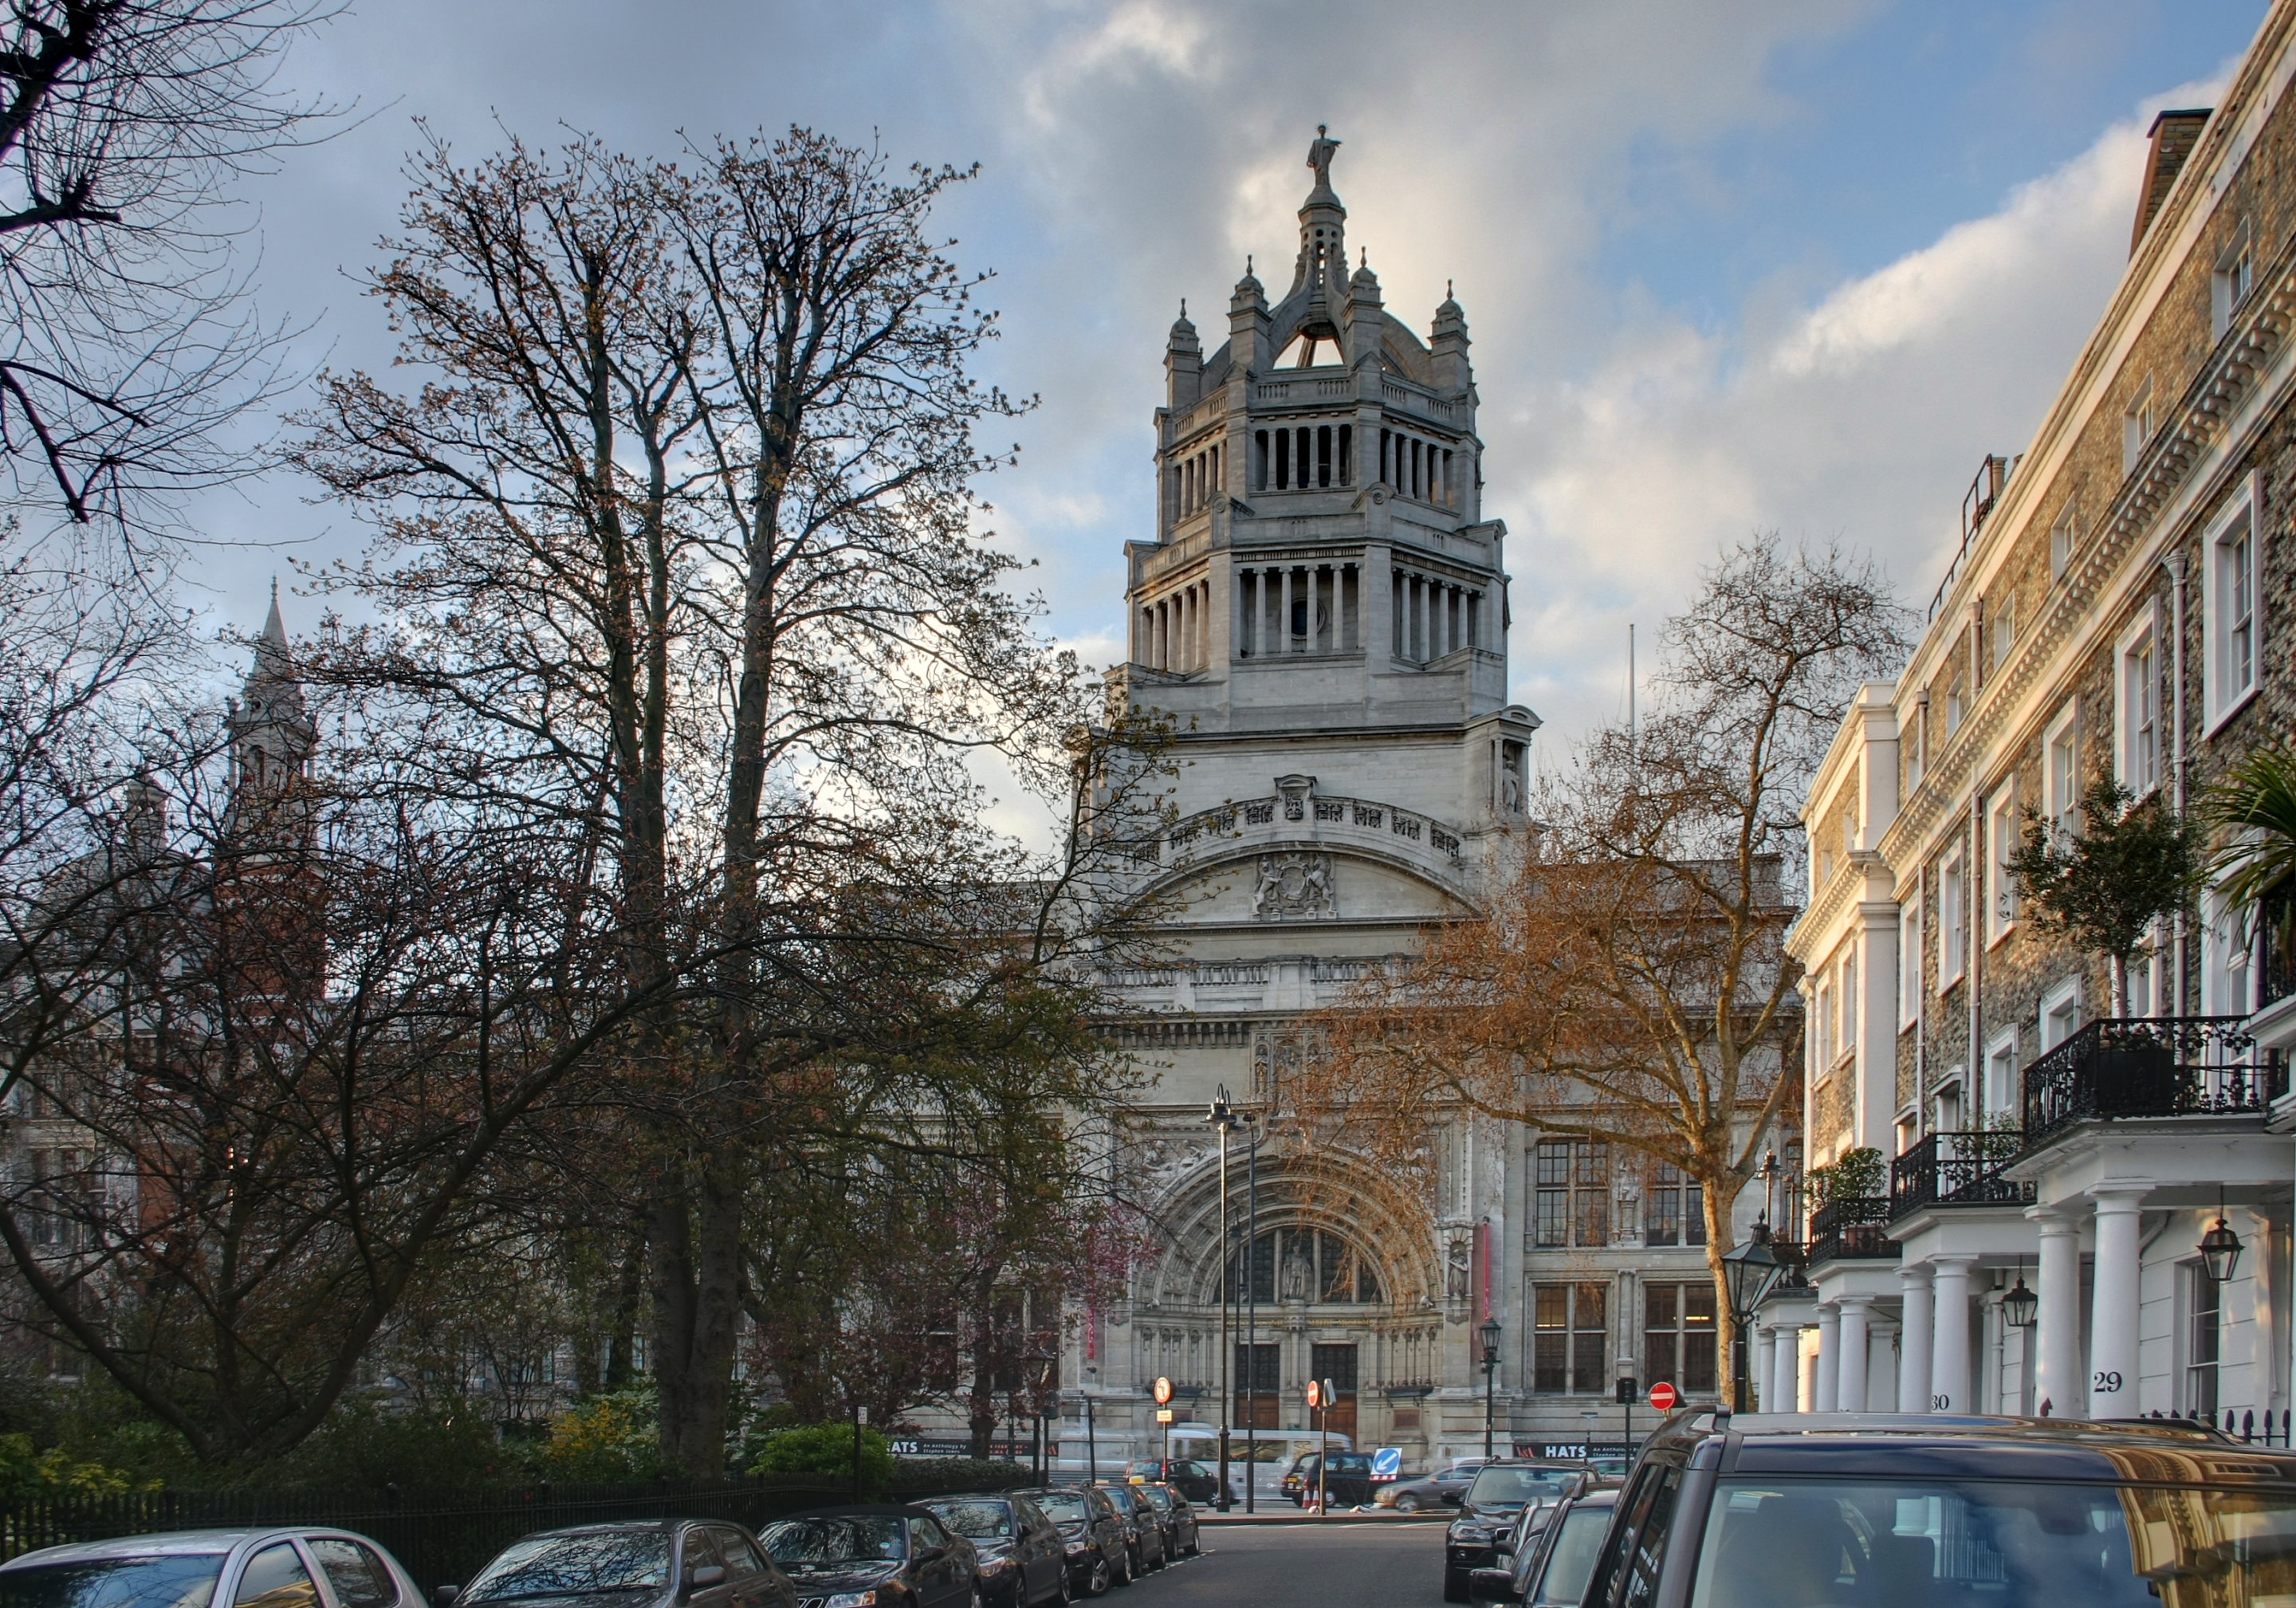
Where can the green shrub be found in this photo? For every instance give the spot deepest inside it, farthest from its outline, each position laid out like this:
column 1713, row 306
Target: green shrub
column 827, row 1450
column 607, row 1439
column 1860, row 1174
column 958, row 1473
column 364, row 1446
column 25, row 1471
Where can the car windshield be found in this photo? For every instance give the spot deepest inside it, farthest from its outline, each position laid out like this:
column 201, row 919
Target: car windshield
column 1513, row 1487
column 1570, row 1556
column 1062, row 1507
column 982, row 1521
column 574, row 1565
column 177, row 1581
column 1119, row 1498
column 1157, row 1498
column 1146, row 1471
column 1927, row 1543
column 815, row 1543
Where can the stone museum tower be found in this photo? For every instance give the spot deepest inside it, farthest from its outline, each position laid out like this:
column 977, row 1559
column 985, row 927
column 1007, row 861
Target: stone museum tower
column 1322, row 612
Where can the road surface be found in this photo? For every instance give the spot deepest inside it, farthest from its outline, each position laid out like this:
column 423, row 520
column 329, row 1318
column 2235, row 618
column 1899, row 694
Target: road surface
column 1395, row 1564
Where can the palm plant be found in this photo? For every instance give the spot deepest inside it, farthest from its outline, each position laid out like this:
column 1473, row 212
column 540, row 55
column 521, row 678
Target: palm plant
column 2251, row 812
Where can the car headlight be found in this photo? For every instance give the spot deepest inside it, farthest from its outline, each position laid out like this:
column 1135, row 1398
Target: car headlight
column 995, row 1565
column 1077, row 1549
column 853, row 1599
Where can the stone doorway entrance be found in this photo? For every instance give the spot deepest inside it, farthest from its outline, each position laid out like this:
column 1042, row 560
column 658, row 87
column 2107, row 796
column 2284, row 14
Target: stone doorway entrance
column 1337, row 1363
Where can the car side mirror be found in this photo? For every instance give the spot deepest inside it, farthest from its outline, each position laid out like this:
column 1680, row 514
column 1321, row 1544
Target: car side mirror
column 1454, row 1499
column 1491, row 1585
column 709, row 1575
column 444, row 1597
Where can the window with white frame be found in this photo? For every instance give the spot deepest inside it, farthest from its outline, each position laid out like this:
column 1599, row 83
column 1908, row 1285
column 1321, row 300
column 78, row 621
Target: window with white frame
column 2142, row 696
column 2001, row 843
column 1945, row 1106
column 1956, row 703
column 2227, row 938
column 1849, row 1008
column 2059, row 1013
column 1953, row 913
column 2146, row 995
column 2063, row 536
column 2004, row 631
column 1999, row 1096
column 1909, row 963
column 2136, row 425
column 1822, row 1026
column 2060, row 772
column 2203, row 1337
column 2231, row 620
column 1920, row 743
column 2235, row 278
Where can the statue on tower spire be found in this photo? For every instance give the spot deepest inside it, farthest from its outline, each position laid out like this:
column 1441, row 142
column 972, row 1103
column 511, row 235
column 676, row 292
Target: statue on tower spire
column 1319, row 156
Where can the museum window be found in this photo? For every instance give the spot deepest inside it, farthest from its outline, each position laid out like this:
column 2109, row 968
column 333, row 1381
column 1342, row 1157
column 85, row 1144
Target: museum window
column 1306, row 1264
column 1573, row 1185
column 1571, row 1337
column 1674, row 1208
column 1679, row 1335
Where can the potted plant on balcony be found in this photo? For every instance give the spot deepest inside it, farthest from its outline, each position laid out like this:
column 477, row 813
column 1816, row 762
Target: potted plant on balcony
column 2251, row 812
column 2105, row 884
column 1854, row 1175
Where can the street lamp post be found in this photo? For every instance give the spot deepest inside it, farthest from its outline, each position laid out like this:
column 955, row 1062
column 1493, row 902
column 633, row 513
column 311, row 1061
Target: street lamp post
column 1490, row 1378
column 1748, row 1270
column 1224, row 1118
column 1250, row 1318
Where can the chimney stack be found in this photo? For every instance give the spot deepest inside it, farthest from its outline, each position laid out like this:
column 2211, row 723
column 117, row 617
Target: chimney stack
column 2174, row 135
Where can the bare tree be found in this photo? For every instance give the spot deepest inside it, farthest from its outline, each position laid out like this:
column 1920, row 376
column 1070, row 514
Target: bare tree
column 1627, row 981
column 130, row 341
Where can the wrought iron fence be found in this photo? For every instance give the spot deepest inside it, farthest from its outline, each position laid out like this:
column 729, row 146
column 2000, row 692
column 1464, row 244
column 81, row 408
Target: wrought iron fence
column 2149, row 1066
column 443, row 1539
column 1851, row 1227
column 1957, row 1170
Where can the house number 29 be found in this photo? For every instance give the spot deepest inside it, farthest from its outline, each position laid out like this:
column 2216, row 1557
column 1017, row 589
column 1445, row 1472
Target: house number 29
column 2107, row 1381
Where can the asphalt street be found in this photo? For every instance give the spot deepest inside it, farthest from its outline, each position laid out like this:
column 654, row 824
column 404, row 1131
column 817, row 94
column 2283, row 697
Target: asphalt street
column 1395, row 1565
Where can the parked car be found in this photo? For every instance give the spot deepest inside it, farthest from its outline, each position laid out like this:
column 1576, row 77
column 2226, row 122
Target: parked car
column 1092, row 1537
column 889, row 1556
column 1430, row 1490
column 1197, row 1481
column 1550, row 1568
column 1919, row 1510
column 1182, row 1536
column 681, row 1562
column 1147, row 1530
column 1022, row 1558
column 272, row 1568
column 1348, row 1485
column 1493, row 1503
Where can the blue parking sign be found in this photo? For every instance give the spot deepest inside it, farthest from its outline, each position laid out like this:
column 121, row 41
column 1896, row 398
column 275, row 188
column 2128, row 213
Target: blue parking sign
column 1386, row 1463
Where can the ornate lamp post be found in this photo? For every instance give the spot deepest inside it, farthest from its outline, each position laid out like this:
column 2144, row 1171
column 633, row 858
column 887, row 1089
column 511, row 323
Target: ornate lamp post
column 1748, row 1271
column 1224, row 1117
column 1490, row 1377
column 1248, row 1258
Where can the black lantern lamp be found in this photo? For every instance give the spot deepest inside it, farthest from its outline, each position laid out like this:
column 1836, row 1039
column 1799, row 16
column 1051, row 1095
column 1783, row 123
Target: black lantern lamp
column 2021, row 1305
column 1749, row 1270
column 2220, row 1249
column 1491, row 1343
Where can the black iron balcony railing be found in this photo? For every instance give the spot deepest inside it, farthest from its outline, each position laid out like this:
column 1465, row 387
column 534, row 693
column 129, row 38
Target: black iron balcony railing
column 2149, row 1066
column 1851, row 1227
column 1957, row 1170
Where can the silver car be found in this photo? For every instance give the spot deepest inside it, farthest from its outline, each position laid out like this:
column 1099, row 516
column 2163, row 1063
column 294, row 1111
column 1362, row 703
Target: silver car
column 288, row 1567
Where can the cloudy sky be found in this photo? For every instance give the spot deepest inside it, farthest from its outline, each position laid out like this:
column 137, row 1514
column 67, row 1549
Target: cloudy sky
column 1726, row 266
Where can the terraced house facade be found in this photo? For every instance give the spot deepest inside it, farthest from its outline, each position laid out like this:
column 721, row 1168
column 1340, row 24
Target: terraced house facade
column 2120, row 606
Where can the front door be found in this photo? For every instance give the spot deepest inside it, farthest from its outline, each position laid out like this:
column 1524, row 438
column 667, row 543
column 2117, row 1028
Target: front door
column 1337, row 1363
column 1258, row 1377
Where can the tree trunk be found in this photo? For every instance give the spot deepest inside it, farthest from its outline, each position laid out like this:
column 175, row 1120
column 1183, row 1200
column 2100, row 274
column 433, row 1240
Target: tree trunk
column 621, row 1346
column 1721, row 1195
column 697, row 1314
column 2118, row 968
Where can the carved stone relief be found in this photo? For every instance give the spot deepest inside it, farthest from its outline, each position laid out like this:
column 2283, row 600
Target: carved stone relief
column 1293, row 888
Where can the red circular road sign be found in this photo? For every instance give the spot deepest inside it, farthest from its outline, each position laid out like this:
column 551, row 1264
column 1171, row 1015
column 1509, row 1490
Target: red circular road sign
column 1662, row 1397
column 1314, row 1394
column 1163, row 1391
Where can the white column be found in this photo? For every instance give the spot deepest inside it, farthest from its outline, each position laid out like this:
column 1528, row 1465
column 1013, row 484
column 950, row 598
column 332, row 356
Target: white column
column 1915, row 1326
column 2055, row 1340
column 1765, row 1341
column 1950, row 1377
column 1785, row 1369
column 1850, row 1386
column 2112, row 1316
column 1283, row 620
column 1826, row 1396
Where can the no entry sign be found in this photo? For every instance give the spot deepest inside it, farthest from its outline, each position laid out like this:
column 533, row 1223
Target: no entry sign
column 1314, row 1394
column 1662, row 1397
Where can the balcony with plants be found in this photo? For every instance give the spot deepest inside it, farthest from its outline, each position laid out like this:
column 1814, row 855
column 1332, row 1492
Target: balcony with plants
column 1852, row 1217
column 2119, row 1067
column 1958, row 1169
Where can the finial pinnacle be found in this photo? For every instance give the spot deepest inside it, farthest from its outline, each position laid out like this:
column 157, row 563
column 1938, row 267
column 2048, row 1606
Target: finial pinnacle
column 1364, row 261
column 1448, row 293
column 1183, row 306
column 1247, row 264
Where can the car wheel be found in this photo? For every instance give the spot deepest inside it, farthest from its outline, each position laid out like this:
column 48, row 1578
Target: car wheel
column 1063, row 1594
column 1454, row 1586
column 1097, row 1582
column 1406, row 1504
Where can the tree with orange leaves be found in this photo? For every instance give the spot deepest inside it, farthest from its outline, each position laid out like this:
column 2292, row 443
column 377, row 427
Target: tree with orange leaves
column 1626, row 980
